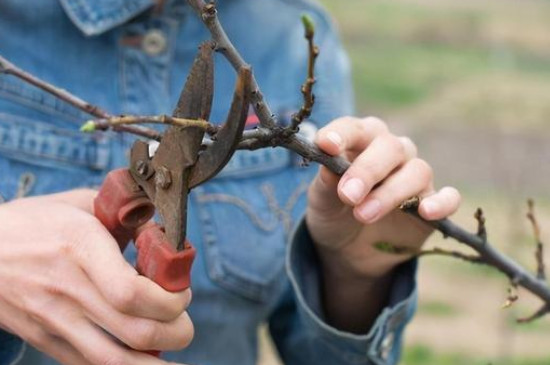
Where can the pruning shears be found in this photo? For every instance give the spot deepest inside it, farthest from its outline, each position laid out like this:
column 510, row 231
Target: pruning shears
column 161, row 181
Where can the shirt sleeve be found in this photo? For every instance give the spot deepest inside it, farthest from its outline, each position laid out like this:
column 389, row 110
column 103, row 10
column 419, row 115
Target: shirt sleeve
column 301, row 332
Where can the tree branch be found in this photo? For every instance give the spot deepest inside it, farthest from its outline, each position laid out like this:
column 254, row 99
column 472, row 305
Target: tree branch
column 539, row 253
column 9, row 68
column 544, row 310
column 114, row 122
column 481, row 230
column 307, row 87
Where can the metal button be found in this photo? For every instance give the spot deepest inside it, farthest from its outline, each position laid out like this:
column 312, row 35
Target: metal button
column 154, row 42
column 387, row 345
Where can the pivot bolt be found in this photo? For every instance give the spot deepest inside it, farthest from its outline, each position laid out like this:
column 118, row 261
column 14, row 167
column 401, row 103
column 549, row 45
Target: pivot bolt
column 141, row 168
column 163, row 178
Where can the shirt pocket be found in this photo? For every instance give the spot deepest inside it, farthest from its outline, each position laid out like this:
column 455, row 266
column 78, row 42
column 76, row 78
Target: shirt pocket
column 246, row 222
column 40, row 137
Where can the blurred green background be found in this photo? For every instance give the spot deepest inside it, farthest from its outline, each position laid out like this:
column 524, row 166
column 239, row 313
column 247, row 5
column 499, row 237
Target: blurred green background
column 469, row 81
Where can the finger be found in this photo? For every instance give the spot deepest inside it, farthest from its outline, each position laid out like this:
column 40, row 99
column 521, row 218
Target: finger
column 372, row 166
column 352, row 134
column 138, row 333
column 80, row 198
column 145, row 334
column 322, row 194
column 90, row 341
column 98, row 254
column 61, row 351
column 440, row 205
column 409, row 147
column 30, row 331
column 414, row 178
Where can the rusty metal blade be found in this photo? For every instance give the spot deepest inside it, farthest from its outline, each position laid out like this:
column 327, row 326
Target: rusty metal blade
column 179, row 149
column 195, row 100
column 216, row 156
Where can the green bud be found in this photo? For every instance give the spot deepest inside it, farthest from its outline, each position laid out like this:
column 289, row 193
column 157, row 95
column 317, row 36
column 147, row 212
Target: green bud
column 88, row 127
column 309, row 25
column 385, row 247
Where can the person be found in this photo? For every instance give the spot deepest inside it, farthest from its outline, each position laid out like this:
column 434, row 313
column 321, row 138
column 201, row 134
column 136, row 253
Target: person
column 277, row 243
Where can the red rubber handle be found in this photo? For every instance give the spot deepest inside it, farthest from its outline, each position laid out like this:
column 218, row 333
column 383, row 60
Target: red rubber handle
column 122, row 207
column 158, row 260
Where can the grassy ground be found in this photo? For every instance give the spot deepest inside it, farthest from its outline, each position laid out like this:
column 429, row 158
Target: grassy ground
column 470, row 82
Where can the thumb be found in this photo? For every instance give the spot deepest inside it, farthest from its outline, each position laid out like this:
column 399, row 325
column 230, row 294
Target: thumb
column 323, row 196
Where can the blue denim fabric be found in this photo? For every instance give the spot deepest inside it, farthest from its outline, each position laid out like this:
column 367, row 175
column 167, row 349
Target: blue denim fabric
column 242, row 222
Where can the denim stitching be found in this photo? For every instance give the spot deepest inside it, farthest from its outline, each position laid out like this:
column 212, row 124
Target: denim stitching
column 92, row 21
column 243, row 205
column 19, row 356
column 284, row 214
column 219, row 270
column 29, row 102
column 91, row 150
column 25, row 185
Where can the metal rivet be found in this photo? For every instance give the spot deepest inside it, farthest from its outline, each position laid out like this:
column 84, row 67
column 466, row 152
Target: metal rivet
column 163, row 178
column 141, row 167
column 154, row 42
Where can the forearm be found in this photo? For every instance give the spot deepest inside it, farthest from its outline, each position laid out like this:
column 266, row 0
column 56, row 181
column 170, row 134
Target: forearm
column 352, row 302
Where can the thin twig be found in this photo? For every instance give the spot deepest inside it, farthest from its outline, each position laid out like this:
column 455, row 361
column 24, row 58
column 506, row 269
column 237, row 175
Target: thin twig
column 209, row 15
column 480, row 218
column 403, row 250
column 307, row 87
column 474, row 259
column 9, row 68
column 539, row 253
column 112, row 122
column 544, row 310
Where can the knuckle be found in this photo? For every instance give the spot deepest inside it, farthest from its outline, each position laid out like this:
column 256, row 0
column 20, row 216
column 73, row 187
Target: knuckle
column 124, row 297
column 337, row 123
column 395, row 144
column 143, row 335
column 112, row 359
column 422, row 169
column 187, row 333
column 75, row 241
column 376, row 123
column 409, row 145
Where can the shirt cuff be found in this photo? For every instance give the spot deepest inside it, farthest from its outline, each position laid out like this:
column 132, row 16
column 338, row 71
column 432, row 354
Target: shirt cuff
column 382, row 344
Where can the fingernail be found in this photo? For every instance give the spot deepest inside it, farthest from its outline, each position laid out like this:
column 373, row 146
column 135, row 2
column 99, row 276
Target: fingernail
column 334, row 138
column 354, row 189
column 370, row 210
column 430, row 207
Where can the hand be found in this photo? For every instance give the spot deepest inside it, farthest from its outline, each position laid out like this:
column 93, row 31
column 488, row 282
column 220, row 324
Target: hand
column 66, row 289
column 347, row 216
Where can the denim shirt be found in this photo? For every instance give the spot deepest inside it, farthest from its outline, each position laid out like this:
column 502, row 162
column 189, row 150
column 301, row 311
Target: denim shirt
column 256, row 262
